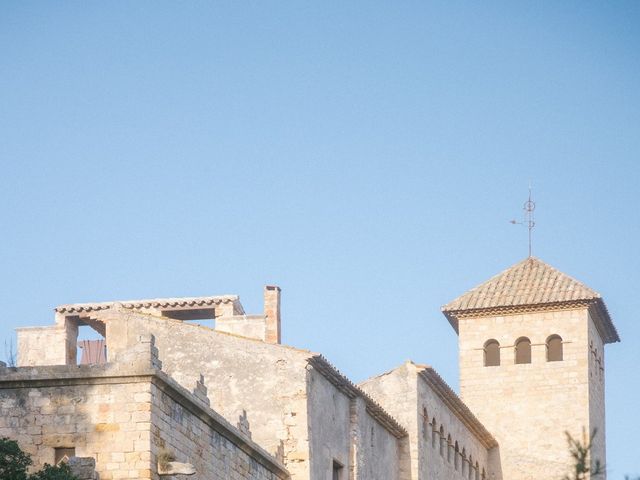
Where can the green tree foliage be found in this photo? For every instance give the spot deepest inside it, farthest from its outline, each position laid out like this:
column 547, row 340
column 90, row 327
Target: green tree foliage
column 584, row 467
column 52, row 472
column 14, row 463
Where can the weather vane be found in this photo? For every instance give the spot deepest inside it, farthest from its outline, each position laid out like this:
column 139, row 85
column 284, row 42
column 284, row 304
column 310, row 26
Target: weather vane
column 529, row 222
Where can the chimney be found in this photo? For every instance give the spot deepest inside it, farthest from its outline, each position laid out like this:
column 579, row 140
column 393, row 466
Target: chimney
column 272, row 312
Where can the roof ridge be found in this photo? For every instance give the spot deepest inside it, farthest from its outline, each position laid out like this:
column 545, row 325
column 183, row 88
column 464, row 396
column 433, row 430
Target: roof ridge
column 529, row 285
column 539, row 283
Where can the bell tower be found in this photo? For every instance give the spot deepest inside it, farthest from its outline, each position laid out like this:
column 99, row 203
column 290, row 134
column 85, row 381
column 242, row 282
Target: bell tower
column 531, row 353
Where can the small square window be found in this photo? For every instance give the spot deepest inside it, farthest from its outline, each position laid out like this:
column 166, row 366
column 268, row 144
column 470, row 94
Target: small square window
column 61, row 452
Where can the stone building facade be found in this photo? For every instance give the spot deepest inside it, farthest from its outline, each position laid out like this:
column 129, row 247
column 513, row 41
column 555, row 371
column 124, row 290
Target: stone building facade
column 231, row 402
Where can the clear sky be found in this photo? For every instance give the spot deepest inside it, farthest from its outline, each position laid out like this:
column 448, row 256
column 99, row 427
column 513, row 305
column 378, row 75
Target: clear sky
column 365, row 156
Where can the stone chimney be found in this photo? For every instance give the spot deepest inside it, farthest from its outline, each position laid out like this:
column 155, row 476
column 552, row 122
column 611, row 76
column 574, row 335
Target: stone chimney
column 272, row 313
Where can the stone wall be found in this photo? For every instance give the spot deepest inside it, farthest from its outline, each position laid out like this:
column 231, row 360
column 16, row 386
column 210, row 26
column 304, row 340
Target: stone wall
column 405, row 394
column 185, row 429
column 41, row 346
column 377, row 452
column 596, row 394
column 329, row 427
column 100, row 416
column 266, row 381
column 284, row 402
column 121, row 418
column 472, row 457
column 528, row 407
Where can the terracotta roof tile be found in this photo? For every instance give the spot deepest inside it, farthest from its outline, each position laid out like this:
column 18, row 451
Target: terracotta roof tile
column 529, row 284
column 185, row 302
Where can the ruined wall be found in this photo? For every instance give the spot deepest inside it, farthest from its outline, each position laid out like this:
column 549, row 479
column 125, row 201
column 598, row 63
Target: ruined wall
column 267, row 381
column 406, row 396
column 528, row 407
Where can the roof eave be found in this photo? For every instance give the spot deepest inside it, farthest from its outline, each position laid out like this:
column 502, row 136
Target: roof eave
column 596, row 306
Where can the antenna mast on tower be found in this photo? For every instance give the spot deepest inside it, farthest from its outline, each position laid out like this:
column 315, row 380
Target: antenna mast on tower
column 529, row 221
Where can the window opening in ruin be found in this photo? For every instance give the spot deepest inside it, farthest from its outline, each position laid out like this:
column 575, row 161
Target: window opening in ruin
column 491, row 353
column 449, row 449
column 464, row 462
column 554, row 348
column 373, row 437
column 434, row 432
column 91, row 346
column 425, row 425
column 484, row 475
column 456, row 460
column 523, row 350
column 477, row 471
column 337, row 471
column 61, row 452
column 470, row 469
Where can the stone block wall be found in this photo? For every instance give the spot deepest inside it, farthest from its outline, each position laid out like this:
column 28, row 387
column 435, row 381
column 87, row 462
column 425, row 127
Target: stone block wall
column 597, row 394
column 121, row 418
column 472, row 458
column 406, row 396
column 266, row 381
column 528, row 407
column 329, row 427
column 99, row 417
column 375, row 451
column 184, row 428
column 41, row 346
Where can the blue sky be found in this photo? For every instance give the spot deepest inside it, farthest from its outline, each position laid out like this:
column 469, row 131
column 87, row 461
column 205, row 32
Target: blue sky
column 364, row 156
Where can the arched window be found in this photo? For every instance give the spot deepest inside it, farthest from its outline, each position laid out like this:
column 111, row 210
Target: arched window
column 523, row 350
column 456, row 460
column 425, row 425
column 491, row 353
column 554, row 348
column 464, row 462
column 442, row 441
column 434, row 432
column 449, row 449
column 477, row 472
column 470, row 470
column 484, row 475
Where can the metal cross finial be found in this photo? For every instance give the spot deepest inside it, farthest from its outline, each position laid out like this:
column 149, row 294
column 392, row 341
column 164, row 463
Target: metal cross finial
column 529, row 221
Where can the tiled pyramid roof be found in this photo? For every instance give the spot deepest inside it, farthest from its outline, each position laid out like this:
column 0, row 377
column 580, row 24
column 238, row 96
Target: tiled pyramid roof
column 526, row 285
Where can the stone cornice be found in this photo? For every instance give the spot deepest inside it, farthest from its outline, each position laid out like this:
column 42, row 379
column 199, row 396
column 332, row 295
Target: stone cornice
column 596, row 307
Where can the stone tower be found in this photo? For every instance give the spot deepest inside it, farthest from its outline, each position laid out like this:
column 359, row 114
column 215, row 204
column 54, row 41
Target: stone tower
column 531, row 350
